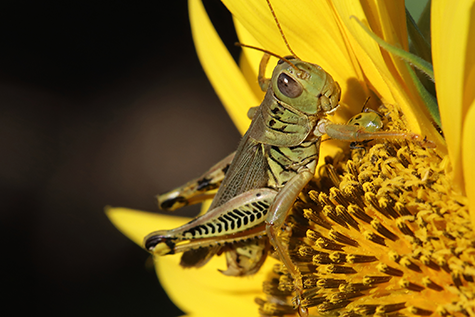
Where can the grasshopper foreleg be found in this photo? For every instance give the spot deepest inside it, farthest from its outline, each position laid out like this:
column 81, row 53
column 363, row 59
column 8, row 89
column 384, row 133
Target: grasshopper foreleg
column 357, row 133
column 196, row 190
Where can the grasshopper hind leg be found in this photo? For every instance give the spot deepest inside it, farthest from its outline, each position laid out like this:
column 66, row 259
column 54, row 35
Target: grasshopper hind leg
column 230, row 228
column 163, row 245
column 192, row 258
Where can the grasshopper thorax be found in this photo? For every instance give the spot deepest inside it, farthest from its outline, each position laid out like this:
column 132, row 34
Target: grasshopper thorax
column 305, row 86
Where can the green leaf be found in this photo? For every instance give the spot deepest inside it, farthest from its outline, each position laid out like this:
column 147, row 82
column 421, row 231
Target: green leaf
column 429, row 100
column 414, row 60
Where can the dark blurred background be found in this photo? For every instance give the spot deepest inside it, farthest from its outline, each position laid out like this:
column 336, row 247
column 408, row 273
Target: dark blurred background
column 100, row 104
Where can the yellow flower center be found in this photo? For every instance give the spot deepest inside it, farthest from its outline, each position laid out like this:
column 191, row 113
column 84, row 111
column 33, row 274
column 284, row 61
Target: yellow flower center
column 381, row 231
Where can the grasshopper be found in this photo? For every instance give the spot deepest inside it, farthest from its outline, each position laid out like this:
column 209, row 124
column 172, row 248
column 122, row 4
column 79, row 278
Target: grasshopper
column 258, row 184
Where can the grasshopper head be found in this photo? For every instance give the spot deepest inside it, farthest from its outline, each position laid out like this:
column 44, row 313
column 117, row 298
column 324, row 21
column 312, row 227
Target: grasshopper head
column 305, row 86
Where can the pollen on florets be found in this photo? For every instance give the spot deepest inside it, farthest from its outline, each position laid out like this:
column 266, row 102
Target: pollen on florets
column 380, row 231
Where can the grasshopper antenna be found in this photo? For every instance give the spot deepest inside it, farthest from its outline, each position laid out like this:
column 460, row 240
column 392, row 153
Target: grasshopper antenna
column 268, row 52
column 280, row 29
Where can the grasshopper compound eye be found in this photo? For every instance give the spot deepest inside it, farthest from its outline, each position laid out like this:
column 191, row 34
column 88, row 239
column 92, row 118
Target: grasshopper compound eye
column 288, row 86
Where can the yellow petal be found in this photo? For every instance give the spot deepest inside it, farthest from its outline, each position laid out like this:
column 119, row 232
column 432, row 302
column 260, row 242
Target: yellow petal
column 313, row 35
column 207, row 292
column 325, row 33
column 386, row 74
column 250, row 59
column 198, row 292
column 368, row 51
column 381, row 70
column 223, row 73
column 468, row 155
column 453, row 58
column 388, row 15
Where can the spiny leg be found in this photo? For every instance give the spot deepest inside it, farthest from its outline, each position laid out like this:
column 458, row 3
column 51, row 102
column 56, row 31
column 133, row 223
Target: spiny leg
column 237, row 218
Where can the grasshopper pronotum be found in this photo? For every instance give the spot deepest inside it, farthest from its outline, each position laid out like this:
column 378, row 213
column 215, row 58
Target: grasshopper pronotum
column 259, row 183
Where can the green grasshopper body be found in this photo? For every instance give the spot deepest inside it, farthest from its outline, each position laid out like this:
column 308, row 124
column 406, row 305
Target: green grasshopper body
column 275, row 159
column 259, row 183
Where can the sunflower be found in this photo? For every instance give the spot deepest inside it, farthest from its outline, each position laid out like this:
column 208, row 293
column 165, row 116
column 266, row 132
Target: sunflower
column 382, row 230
